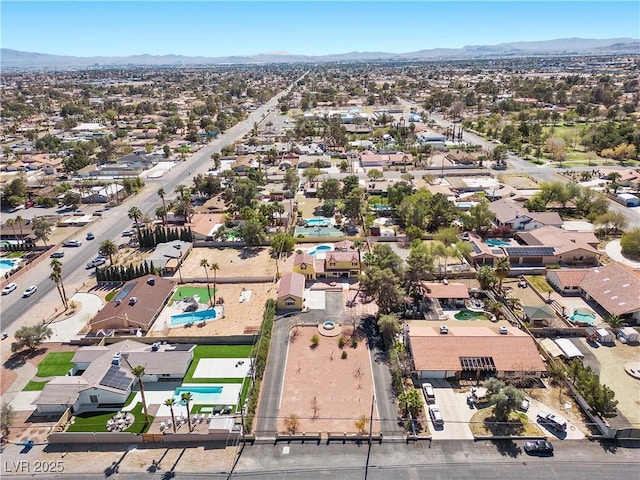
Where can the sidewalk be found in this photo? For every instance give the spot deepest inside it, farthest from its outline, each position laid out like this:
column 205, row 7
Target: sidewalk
column 614, row 250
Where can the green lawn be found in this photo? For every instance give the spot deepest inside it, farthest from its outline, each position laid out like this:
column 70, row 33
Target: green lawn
column 55, row 364
column 201, row 292
column 34, row 386
column 109, row 296
column 15, row 255
column 216, row 351
column 540, row 283
column 97, row 422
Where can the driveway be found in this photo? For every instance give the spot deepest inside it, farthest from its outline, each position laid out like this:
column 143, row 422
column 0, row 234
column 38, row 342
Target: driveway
column 614, row 250
column 67, row 329
column 572, row 433
column 455, row 412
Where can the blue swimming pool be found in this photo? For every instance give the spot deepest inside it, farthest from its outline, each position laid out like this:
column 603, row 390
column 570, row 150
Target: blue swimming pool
column 320, row 249
column 580, row 317
column 193, row 317
column 200, row 395
column 8, row 265
column 318, row 222
column 496, row 242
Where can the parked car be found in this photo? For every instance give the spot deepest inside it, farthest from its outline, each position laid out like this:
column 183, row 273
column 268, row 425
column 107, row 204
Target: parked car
column 57, row 255
column 552, row 420
column 127, row 233
column 538, row 446
column 9, row 288
column 97, row 213
column 436, row 416
column 524, row 406
column 429, row 394
column 71, row 243
column 90, row 236
column 96, row 262
column 29, row 291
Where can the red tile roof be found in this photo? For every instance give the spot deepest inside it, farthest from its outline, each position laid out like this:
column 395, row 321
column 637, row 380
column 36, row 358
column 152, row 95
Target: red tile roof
column 291, row 284
column 440, row 290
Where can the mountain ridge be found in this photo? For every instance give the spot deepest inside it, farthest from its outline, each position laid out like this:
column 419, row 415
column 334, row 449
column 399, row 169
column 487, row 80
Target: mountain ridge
column 17, row 59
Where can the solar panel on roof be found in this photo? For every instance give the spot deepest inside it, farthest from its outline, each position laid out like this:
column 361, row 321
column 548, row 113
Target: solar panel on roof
column 116, row 378
column 124, row 293
column 533, row 251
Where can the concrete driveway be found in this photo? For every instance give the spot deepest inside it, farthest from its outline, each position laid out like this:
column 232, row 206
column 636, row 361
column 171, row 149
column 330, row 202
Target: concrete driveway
column 572, row 433
column 68, row 329
column 455, row 412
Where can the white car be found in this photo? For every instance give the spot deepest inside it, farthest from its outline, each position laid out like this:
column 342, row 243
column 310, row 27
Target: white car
column 29, row 291
column 96, row 262
column 436, row 416
column 9, row 288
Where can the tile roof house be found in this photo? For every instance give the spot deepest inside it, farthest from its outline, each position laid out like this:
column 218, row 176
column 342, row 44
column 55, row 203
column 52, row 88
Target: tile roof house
column 465, row 352
column 516, row 216
column 614, row 290
column 304, row 264
column 449, row 295
column 101, row 375
column 567, row 281
column 573, row 248
column 291, row 292
column 122, row 313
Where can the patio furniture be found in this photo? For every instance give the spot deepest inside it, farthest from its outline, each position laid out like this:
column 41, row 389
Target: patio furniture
column 217, row 410
column 162, row 426
column 169, row 423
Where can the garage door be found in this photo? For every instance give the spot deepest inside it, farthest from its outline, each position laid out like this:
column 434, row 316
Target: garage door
column 432, row 374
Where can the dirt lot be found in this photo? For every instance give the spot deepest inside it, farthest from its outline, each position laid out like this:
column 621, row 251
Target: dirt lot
column 341, row 389
column 521, row 182
column 234, row 262
column 239, row 318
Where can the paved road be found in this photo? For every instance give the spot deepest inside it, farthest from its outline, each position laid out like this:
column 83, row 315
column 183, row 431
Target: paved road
column 115, row 221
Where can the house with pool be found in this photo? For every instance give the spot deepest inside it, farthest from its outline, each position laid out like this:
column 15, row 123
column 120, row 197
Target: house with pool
column 337, row 260
column 101, row 375
column 516, row 216
column 134, row 308
column 290, row 294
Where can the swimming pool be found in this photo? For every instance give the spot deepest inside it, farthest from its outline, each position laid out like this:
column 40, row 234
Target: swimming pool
column 206, row 395
column 580, row 316
column 470, row 315
column 318, row 222
column 496, row 242
column 193, row 317
column 320, row 249
column 6, row 265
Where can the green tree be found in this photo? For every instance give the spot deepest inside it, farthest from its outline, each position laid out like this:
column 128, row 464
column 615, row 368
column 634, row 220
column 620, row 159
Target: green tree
column 171, row 402
column 630, row 243
column 204, row 263
column 311, row 173
column 389, row 327
column 187, row 397
column 486, row 277
column 41, row 229
column 480, row 218
column 109, row 248
column 282, row 243
column 506, row 401
column 71, row 199
column 161, row 193
column 374, row 174
column 411, row 401
column 55, row 277
column 420, row 262
column 612, row 222
column 31, row 337
column 501, row 269
column 252, row 232
column 7, row 417
column 138, row 372
column 215, row 267
column 135, row 214
column 384, row 286
column 330, row 189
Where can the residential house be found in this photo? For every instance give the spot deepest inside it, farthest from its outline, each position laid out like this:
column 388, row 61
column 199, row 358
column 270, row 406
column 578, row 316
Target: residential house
column 102, row 376
column 167, row 255
column 518, row 218
column 450, row 295
column 104, row 194
column 290, row 294
column 613, row 289
column 205, row 225
column 338, row 264
column 242, row 164
column 373, row 160
column 135, row 307
column 473, row 353
column 572, row 248
column 304, row 264
column 566, row 281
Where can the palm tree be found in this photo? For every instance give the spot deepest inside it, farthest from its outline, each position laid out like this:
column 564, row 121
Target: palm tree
column 170, row 402
column 204, row 263
column 186, row 397
column 614, row 321
column 56, row 276
column 11, row 222
column 135, row 214
column 358, row 245
column 161, row 194
column 502, row 269
column 138, row 372
column 19, row 221
column 108, row 247
column 215, row 267
column 185, row 200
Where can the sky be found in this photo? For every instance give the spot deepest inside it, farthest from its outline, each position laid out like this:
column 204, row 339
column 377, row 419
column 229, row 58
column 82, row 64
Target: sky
column 216, row 28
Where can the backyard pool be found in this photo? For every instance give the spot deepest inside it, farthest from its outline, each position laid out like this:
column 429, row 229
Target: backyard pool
column 6, row 265
column 205, row 395
column 496, row 242
column 320, row 249
column 318, row 222
column 582, row 316
column 193, row 317
column 469, row 315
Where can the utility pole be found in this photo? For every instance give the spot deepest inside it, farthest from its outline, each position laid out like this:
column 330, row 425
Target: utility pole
column 373, row 402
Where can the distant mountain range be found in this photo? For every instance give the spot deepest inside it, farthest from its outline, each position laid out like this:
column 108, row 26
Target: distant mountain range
column 566, row 46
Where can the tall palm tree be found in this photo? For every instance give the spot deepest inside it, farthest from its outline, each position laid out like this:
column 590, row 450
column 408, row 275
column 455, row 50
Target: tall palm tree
column 170, row 402
column 502, row 269
column 11, row 223
column 358, row 245
column 185, row 199
column 215, row 267
column 19, row 221
column 135, row 214
column 187, row 397
column 204, row 263
column 108, row 247
column 56, row 276
column 139, row 371
column 161, row 194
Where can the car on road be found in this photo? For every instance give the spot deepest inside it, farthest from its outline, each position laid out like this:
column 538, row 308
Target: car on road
column 9, row 288
column 71, row 243
column 538, row 447
column 97, row 213
column 57, row 255
column 524, row 406
column 29, row 291
column 127, row 233
column 90, row 236
column 96, row 262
